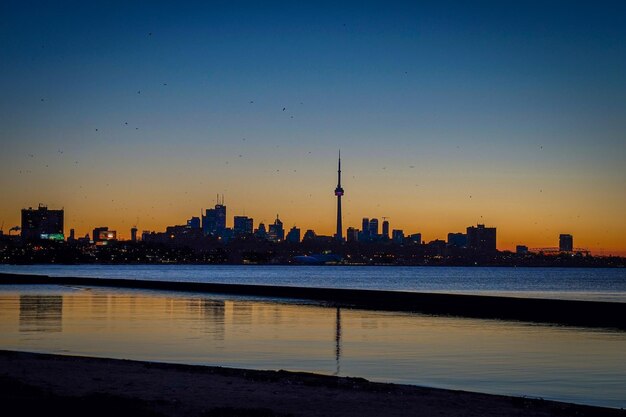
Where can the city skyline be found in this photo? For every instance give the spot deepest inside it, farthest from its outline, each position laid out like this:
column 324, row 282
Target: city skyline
column 229, row 222
column 449, row 116
column 214, row 222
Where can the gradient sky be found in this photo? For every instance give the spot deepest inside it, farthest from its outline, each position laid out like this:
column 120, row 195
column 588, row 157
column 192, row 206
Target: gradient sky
column 512, row 115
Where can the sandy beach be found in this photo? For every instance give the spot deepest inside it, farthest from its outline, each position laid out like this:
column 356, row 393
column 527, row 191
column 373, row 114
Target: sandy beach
column 55, row 384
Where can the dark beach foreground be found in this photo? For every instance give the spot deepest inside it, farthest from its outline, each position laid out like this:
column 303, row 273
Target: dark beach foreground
column 44, row 384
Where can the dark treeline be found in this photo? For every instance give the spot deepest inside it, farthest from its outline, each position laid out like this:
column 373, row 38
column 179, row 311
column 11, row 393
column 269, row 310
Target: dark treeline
column 256, row 251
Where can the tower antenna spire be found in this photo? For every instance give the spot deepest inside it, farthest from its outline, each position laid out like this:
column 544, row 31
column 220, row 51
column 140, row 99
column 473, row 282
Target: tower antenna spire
column 339, row 194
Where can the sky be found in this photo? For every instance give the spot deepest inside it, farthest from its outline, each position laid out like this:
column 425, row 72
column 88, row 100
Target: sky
column 511, row 114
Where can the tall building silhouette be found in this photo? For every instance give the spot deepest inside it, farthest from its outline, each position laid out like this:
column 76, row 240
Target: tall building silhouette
column 42, row 223
column 385, row 230
column 214, row 222
column 339, row 194
column 373, row 225
column 243, row 225
column 481, row 239
column 276, row 231
column 566, row 243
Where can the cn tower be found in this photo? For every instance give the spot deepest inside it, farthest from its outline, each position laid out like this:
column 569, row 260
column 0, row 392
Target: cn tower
column 339, row 193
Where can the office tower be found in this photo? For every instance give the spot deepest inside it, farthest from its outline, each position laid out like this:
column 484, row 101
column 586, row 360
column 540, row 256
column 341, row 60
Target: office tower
column 42, row 223
column 133, row 233
column 339, row 194
column 72, row 236
column 220, row 218
column 416, row 238
column 373, row 229
column 458, row 240
column 364, row 236
column 566, row 243
column 261, row 232
column 214, row 222
column 521, row 249
column 243, row 225
column 481, row 239
column 397, row 236
column 276, row 232
column 309, row 236
column 352, row 235
column 385, row 234
column 365, row 225
column 193, row 223
column 294, row 235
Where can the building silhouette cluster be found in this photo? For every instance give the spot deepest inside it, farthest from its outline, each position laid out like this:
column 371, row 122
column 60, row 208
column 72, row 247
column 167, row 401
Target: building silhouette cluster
column 208, row 238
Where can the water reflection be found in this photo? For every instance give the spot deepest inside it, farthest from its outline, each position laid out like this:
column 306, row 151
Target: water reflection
column 41, row 313
column 338, row 341
column 570, row 364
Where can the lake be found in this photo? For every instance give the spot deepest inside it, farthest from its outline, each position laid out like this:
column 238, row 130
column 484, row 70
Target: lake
column 600, row 284
column 553, row 362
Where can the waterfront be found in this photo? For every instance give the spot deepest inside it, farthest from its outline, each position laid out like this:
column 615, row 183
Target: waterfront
column 553, row 362
column 599, row 284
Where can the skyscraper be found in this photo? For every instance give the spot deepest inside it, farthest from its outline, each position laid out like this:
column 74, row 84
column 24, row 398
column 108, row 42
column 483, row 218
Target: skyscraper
column 294, row 235
column 214, row 222
column 373, row 229
column 364, row 236
column 243, row 225
column 566, row 243
column 385, row 230
column 339, row 193
column 276, row 232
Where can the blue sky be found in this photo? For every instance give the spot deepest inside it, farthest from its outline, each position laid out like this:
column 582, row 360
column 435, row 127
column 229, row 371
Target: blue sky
column 493, row 99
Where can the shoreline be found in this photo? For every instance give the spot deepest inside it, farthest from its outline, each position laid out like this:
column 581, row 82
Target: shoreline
column 162, row 389
column 564, row 312
column 340, row 264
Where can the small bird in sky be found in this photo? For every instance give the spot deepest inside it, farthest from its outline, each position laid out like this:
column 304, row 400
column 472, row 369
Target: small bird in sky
column 284, row 108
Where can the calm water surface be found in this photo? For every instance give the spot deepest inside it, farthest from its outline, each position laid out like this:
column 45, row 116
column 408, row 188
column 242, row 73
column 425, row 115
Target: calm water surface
column 572, row 283
column 563, row 363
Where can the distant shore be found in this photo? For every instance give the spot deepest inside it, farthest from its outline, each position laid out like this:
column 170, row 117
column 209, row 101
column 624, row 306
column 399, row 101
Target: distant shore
column 568, row 312
column 45, row 384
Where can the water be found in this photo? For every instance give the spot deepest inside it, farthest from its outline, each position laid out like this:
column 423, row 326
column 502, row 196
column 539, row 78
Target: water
column 553, row 362
column 601, row 284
